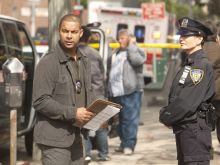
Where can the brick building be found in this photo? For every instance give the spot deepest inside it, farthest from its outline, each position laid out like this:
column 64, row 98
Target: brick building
column 22, row 10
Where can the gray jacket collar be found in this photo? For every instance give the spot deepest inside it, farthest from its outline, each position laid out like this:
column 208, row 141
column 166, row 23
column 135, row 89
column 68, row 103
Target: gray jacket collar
column 62, row 56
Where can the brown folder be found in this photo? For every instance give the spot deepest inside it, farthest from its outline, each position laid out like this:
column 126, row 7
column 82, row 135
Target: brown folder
column 99, row 105
column 103, row 111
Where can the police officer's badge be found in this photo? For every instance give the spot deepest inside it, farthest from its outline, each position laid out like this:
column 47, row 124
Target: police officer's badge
column 196, row 75
column 184, row 23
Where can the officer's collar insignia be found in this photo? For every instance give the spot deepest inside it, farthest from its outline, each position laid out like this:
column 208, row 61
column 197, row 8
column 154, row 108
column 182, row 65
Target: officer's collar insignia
column 189, row 61
column 184, row 23
column 196, row 75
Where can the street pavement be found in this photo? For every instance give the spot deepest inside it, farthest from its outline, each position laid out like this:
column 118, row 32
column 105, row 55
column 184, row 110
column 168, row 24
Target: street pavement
column 155, row 145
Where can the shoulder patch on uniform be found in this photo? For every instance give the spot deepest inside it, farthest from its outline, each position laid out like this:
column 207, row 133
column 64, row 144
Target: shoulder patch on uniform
column 196, row 75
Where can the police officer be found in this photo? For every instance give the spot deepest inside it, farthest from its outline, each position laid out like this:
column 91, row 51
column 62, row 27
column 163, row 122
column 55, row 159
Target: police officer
column 188, row 111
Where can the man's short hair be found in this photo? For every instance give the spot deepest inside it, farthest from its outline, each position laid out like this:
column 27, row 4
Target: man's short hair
column 70, row 18
column 124, row 31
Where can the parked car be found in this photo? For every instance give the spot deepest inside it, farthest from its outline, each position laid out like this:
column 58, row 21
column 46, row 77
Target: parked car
column 14, row 37
column 41, row 49
column 41, row 46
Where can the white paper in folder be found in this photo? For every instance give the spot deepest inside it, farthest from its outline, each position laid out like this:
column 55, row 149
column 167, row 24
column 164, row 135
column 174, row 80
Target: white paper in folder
column 95, row 123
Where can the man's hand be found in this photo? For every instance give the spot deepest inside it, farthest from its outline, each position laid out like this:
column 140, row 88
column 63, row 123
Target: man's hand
column 132, row 40
column 82, row 116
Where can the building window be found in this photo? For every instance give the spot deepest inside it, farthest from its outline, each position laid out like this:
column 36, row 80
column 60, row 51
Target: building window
column 139, row 32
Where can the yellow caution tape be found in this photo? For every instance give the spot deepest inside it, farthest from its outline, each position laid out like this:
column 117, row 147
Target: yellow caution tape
column 143, row 45
column 159, row 45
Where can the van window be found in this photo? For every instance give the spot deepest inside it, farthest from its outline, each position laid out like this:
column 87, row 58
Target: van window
column 121, row 26
column 2, row 48
column 139, row 32
column 28, row 60
column 27, row 51
column 1, row 37
column 12, row 39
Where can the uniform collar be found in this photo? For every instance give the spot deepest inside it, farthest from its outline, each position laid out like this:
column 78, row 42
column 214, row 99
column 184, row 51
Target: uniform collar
column 196, row 55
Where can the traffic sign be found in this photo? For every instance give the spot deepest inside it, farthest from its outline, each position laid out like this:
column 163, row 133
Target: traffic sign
column 153, row 10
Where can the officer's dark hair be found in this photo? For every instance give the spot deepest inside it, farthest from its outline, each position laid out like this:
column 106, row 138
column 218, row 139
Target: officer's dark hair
column 70, row 18
column 203, row 41
column 213, row 27
column 86, row 34
column 218, row 25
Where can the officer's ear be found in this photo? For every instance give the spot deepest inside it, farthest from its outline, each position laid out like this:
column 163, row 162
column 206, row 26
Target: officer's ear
column 200, row 40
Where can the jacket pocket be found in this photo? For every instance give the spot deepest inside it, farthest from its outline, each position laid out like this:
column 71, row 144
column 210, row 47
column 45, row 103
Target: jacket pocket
column 129, row 77
column 55, row 131
column 62, row 86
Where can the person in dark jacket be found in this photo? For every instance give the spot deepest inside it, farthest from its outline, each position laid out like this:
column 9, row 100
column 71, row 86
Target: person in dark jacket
column 188, row 111
column 212, row 49
column 62, row 87
column 100, row 137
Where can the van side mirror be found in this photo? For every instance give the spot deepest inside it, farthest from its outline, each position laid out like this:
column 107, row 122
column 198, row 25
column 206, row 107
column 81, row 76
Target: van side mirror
column 12, row 73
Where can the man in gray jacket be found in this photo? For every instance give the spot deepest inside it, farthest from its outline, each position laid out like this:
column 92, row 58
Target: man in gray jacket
column 125, row 79
column 62, row 86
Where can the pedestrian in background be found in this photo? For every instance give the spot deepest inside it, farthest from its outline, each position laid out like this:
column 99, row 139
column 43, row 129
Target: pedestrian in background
column 100, row 137
column 212, row 49
column 188, row 111
column 61, row 91
column 123, row 86
column 140, row 76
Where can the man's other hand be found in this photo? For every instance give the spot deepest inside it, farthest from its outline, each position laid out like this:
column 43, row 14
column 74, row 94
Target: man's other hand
column 82, row 116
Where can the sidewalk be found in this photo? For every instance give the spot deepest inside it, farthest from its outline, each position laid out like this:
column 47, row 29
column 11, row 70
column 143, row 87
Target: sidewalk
column 155, row 146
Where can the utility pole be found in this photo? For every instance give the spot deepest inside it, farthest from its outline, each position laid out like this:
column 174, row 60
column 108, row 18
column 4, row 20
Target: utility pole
column 57, row 8
column 33, row 16
column 33, row 4
column 1, row 6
